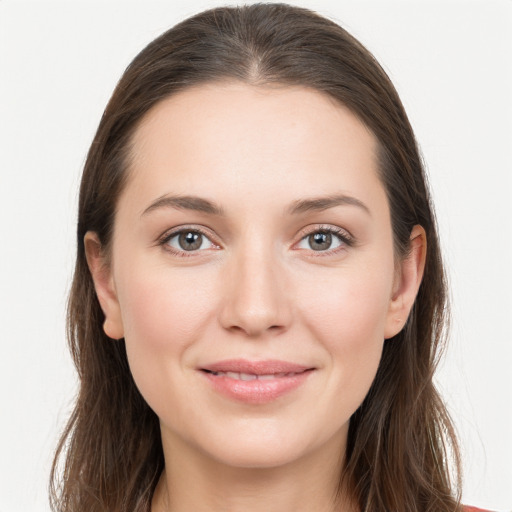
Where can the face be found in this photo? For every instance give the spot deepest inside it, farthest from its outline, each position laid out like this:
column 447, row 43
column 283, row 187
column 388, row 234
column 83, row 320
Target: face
column 252, row 271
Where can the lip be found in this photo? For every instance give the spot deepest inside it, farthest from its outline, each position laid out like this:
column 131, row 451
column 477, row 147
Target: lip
column 255, row 382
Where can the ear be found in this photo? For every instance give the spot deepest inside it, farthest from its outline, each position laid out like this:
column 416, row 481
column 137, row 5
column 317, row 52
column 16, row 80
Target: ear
column 104, row 284
column 407, row 283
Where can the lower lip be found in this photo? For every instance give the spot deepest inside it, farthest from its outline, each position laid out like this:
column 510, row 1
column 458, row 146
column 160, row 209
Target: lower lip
column 256, row 391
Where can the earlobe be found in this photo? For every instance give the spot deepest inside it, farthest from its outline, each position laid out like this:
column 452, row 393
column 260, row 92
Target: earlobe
column 104, row 286
column 407, row 283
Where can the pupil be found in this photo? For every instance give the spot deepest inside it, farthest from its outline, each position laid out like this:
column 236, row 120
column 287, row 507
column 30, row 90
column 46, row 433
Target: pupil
column 320, row 241
column 190, row 241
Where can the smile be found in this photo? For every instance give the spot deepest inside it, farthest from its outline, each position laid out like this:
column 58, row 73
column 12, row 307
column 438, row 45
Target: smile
column 255, row 382
column 252, row 376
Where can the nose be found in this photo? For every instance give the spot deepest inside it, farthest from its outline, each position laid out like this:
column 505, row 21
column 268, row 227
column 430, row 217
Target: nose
column 256, row 296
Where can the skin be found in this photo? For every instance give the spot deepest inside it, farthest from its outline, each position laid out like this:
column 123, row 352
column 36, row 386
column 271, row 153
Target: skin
column 256, row 289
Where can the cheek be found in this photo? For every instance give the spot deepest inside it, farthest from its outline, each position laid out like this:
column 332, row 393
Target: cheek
column 349, row 319
column 163, row 309
column 164, row 313
column 349, row 304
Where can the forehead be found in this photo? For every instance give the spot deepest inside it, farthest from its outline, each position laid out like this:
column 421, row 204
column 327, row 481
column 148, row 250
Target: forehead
column 235, row 139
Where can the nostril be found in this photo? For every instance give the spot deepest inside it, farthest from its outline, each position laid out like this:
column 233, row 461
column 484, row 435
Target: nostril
column 255, row 330
column 254, row 309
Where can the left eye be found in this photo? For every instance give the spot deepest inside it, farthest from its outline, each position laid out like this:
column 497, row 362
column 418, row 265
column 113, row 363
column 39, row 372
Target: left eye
column 321, row 241
column 189, row 240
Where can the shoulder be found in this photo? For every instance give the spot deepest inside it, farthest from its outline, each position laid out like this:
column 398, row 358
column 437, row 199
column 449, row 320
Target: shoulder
column 474, row 509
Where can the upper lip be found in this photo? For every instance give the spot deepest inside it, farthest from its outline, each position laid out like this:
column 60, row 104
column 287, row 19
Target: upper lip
column 267, row 367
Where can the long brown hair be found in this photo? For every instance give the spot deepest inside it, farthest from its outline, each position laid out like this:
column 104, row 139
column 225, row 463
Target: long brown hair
column 400, row 439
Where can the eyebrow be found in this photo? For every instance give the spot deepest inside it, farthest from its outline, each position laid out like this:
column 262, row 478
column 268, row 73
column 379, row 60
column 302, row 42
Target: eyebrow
column 318, row 204
column 199, row 204
column 195, row 203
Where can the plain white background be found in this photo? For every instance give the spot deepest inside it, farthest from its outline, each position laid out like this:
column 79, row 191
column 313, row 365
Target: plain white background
column 59, row 62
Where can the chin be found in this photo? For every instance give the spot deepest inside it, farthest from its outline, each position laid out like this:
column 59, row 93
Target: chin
column 264, row 447
column 258, row 456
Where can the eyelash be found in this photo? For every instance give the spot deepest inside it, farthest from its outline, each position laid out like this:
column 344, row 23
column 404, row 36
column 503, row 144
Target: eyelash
column 169, row 235
column 343, row 236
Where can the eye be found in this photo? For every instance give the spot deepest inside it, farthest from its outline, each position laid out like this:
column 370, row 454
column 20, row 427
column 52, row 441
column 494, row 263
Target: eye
column 188, row 240
column 325, row 240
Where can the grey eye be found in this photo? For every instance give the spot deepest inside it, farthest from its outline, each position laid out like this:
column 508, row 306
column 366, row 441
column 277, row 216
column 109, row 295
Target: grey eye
column 189, row 240
column 321, row 241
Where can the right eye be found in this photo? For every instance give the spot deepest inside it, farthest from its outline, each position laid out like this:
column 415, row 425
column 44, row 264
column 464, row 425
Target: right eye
column 187, row 241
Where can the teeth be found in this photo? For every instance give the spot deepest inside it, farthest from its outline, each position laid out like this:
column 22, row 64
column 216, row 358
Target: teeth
column 248, row 376
column 251, row 376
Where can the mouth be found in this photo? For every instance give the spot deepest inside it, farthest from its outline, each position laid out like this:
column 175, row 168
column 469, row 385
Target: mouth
column 255, row 382
column 252, row 376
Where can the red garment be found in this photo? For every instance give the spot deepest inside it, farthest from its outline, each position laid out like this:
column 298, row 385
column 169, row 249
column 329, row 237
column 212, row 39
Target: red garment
column 474, row 509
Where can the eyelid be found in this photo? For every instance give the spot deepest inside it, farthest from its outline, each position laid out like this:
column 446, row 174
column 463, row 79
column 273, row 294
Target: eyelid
column 345, row 237
column 170, row 233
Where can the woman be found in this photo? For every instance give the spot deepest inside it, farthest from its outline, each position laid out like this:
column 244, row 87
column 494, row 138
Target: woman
column 259, row 298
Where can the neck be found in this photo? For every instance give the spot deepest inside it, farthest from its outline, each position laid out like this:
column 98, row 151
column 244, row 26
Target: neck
column 192, row 481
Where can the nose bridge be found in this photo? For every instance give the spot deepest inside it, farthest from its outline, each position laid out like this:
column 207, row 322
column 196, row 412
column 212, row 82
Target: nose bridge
column 256, row 298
